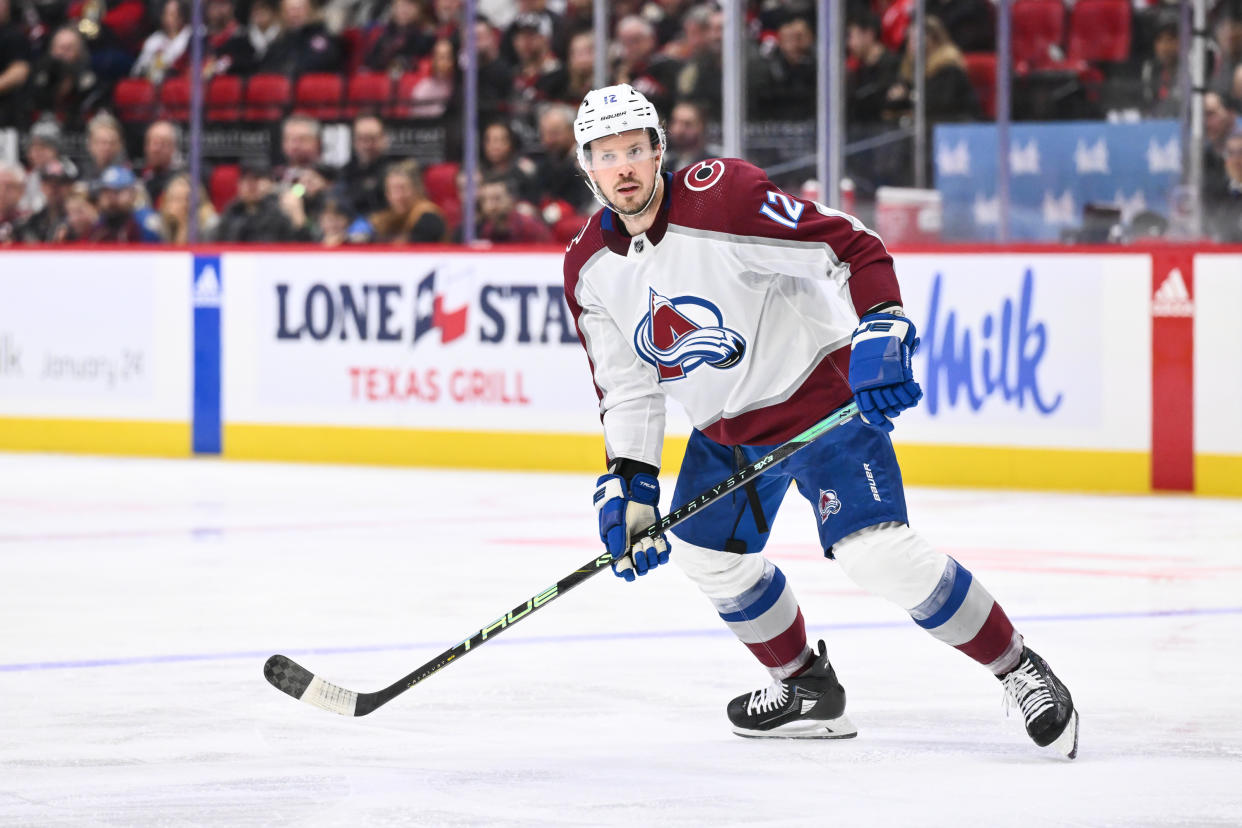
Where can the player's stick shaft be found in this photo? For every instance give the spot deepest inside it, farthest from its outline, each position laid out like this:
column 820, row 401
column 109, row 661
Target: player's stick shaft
column 291, row 678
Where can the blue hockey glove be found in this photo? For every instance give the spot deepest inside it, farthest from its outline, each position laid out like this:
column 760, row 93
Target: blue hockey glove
column 880, row 372
column 624, row 511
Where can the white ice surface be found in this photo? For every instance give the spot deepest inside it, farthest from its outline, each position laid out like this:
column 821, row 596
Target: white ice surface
column 139, row 600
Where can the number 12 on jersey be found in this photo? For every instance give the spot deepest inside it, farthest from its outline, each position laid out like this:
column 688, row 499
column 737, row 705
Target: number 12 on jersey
column 790, row 210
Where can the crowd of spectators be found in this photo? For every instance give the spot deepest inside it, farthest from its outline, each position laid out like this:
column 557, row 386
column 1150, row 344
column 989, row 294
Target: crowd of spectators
column 60, row 61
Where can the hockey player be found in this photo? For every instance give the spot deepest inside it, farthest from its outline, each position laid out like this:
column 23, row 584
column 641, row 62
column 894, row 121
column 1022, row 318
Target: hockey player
column 761, row 313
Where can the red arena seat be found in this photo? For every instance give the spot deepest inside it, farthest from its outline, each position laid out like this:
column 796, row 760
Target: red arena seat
column 981, row 69
column 134, row 99
column 175, row 99
column 403, row 106
column 1037, row 26
column 267, row 98
column 223, row 185
column 319, row 95
column 1099, row 31
column 440, row 181
column 367, row 92
column 224, row 98
column 356, row 43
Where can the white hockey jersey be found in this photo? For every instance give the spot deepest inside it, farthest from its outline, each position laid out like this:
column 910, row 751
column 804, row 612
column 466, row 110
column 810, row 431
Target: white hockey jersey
column 738, row 302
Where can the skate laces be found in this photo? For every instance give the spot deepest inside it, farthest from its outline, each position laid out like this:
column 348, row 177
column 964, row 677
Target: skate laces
column 770, row 697
column 1026, row 690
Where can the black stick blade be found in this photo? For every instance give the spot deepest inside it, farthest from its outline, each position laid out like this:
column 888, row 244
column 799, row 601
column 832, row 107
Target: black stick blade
column 292, row 679
column 287, row 675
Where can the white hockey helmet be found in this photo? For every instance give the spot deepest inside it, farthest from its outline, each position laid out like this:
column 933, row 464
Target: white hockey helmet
column 612, row 110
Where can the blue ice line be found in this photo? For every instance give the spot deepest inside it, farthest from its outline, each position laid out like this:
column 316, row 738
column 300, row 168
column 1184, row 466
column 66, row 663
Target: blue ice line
column 174, row 658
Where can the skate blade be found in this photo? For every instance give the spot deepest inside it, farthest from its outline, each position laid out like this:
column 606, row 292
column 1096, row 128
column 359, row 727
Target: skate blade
column 1067, row 743
column 838, row 728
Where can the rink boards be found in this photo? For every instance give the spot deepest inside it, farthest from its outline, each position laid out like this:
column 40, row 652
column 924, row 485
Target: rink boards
column 1086, row 369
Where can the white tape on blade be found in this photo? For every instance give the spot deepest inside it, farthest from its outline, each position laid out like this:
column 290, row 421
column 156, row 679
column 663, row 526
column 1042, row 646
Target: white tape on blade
column 330, row 697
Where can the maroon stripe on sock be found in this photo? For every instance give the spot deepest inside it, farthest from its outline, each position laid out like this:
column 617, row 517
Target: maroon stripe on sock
column 785, row 647
column 992, row 639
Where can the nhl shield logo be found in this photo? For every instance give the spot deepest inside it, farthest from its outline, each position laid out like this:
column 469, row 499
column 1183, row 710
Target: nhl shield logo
column 829, row 504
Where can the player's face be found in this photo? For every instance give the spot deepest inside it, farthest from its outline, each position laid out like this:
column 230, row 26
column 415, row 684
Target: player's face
column 624, row 168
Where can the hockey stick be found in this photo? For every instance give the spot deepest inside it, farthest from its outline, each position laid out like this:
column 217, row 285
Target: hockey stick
column 290, row 677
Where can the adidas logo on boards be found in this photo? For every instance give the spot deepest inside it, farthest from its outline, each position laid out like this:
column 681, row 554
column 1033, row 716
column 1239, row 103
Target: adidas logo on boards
column 1172, row 298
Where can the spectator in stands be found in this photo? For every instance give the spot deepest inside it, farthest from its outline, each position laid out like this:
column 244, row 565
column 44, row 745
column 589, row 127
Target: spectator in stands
column 503, row 220
column 700, row 77
column 364, row 174
column 300, row 144
column 121, row 219
column 540, row 76
column 340, row 225
column 1234, row 92
column 316, row 183
column 411, row 216
column 971, row 24
column 641, row 66
column 165, row 46
column 950, row 95
column 687, row 137
column 787, row 83
column 161, row 158
column 175, row 213
column 403, row 41
column 12, row 187
column 692, row 38
column 14, row 69
column 227, row 49
column 876, row 71
column 527, row 11
column 56, row 179
column 1159, row 74
column 263, row 28
column 1229, row 49
column 42, row 149
column 304, row 46
column 666, row 17
column 447, row 21
column 256, row 215
column 345, row 14
column 105, row 146
column 1224, row 219
column 1218, row 125
column 556, row 165
column 578, row 16
column 579, row 69
column 81, row 216
column 495, row 74
column 501, row 158
column 63, row 84
column 437, row 93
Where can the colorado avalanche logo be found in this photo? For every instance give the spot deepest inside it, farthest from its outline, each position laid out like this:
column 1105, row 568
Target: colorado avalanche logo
column 678, row 335
column 829, row 504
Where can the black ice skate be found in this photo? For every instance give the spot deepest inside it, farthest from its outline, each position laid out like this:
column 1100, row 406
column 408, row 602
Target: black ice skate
column 1047, row 709
column 811, row 706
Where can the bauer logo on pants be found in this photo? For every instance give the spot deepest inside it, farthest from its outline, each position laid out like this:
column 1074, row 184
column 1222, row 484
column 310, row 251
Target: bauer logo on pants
column 829, row 504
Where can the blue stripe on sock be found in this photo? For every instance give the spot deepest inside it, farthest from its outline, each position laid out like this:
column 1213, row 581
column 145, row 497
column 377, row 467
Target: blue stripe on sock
column 766, row 600
column 961, row 585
